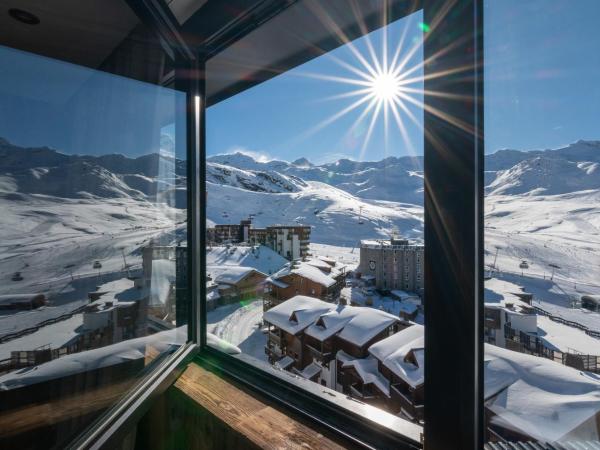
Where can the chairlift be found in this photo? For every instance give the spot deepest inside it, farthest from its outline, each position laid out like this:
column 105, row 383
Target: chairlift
column 524, row 265
column 17, row 276
column 97, row 265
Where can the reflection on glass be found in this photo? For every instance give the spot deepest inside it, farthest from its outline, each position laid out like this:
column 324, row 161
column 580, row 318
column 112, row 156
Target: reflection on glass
column 315, row 221
column 92, row 241
column 542, row 320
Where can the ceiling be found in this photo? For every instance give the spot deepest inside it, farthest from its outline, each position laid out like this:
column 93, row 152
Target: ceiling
column 84, row 32
column 250, row 41
column 302, row 31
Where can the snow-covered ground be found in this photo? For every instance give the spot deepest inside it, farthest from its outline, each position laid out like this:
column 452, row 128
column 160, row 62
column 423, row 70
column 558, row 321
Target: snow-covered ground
column 349, row 256
column 240, row 324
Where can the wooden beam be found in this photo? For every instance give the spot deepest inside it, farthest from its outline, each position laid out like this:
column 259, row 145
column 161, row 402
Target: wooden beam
column 257, row 421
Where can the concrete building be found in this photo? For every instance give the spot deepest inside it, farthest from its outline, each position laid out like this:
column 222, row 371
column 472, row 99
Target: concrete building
column 289, row 241
column 395, row 264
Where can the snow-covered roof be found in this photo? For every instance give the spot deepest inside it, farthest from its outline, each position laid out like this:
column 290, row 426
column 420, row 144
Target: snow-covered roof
column 51, row 336
column 93, row 359
column 277, row 283
column 307, row 271
column 309, row 371
column 392, row 352
column 367, row 369
column 565, row 338
column 365, row 325
column 328, row 324
column 355, row 296
column 259, row 257
column 354, row 324
column 296, row 313
column 540, row 397
column 498, row 293
column 230, row 274
column 317, row 262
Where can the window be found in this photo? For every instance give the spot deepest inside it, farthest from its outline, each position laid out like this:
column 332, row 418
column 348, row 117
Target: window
column 329, row 153
column 542, row 102
column 93, row 224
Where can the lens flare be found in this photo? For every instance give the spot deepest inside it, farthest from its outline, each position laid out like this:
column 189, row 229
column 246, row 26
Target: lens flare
column 385, row 86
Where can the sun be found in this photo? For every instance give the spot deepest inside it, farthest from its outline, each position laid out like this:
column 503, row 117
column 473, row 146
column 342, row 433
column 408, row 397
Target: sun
column 385, row 86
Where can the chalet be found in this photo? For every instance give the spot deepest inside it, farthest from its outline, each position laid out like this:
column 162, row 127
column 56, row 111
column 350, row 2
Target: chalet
column 312, row 278
column 400, row 360
column 286, row 323
column 329, row 345
column 237, row 283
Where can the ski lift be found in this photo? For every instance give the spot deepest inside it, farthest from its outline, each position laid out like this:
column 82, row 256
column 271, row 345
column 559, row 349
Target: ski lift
column 17, row 276
column 524, row 265
column 97, row 265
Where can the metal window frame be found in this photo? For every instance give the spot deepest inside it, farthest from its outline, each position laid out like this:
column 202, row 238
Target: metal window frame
column 454, row 250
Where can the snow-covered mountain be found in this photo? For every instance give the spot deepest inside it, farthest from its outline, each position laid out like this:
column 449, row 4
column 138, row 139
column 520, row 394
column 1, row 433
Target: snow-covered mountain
column 545, row 197
column 546, row 176
column 391, row 179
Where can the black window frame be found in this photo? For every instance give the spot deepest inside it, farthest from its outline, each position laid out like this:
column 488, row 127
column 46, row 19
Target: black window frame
column 453, row 156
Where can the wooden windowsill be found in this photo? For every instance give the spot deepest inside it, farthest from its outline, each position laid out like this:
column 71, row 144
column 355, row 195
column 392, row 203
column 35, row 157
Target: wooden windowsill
column 253, row 417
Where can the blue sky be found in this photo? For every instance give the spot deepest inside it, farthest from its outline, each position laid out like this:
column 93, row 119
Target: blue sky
column 542, row 91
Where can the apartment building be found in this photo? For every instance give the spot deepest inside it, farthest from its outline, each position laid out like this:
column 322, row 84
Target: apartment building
column 395, row 264
column 328, row 343
column 289, row 241
column 313, row 277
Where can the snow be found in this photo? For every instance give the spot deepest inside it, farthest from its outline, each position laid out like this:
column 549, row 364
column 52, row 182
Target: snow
column 239, row 325
column 305, row 309
column 539, row 397
column 565, row 338
column 229, row 274
column 367, row 369
column 390, row 305
column 52, row 336
column 85, row 361
column 393, row 350
column 346, row 255
column 306, row 270
column 365, row 325
column 261, row 258
column 325, row 208
column 284, row 363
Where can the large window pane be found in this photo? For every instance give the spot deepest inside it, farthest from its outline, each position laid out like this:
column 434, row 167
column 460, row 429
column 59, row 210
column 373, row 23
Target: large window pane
column 92, row 194
column 315, row 220
column 542, row 314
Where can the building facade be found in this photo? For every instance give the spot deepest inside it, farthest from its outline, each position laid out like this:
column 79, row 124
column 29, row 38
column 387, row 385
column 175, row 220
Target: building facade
column 394, row 264
column 289, row 241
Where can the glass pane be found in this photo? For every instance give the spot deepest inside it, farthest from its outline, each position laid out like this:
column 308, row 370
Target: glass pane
column 315, row 220
column 92, row 194
column 542, row 307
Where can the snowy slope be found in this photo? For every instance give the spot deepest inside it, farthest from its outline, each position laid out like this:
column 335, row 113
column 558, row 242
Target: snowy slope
column 547, row 176
column 332, row 212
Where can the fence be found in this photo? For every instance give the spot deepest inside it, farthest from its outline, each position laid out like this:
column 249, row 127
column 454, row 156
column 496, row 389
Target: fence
column 526, row 343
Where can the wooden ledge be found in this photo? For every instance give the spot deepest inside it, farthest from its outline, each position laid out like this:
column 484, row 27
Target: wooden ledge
column 250, row 416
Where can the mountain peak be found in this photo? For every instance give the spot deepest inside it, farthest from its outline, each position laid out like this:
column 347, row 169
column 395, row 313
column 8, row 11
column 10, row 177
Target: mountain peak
column 302, row 162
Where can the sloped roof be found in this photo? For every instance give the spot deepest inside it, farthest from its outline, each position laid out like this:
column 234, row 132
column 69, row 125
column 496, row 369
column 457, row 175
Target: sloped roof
column 354, row 324
column 392, row 352
column 296, row 313
column 305, row 270
column 230, row 274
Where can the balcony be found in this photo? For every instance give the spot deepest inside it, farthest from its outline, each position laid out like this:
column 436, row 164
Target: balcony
column 403, row 400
